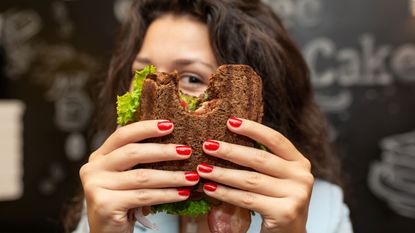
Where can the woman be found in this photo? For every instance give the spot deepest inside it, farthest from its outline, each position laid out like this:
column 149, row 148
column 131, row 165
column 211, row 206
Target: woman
column 194, row 37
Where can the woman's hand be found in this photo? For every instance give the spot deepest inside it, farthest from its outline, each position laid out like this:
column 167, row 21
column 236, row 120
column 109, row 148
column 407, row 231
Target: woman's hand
column 279, row 188
column 111, row 188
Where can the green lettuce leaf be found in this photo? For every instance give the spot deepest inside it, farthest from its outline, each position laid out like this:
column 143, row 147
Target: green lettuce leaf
column 184, row 208
column 193, row 102
column 128, row 103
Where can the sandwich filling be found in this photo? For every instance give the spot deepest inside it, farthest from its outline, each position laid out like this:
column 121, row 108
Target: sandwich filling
column 192, row 103
column 197, row 104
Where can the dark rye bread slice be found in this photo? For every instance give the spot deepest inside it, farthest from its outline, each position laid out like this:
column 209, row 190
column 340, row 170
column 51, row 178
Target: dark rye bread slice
column 234, row 90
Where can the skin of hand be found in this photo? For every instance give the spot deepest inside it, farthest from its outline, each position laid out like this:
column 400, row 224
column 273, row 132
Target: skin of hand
column 112, row 188
column 279, row 188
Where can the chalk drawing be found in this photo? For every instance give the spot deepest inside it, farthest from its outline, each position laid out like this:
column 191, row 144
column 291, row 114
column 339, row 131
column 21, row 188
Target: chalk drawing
column 298, row 13
column 393, row 177
column 18, row 29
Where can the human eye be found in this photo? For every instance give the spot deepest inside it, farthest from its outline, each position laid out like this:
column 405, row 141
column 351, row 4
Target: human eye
column 192, row 83
column 190, row 79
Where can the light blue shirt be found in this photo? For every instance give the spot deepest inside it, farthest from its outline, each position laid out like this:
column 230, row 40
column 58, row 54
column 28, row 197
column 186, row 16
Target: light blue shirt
column 327, row 214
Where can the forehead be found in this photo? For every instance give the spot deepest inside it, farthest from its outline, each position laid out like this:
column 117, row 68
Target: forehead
column 178, row 33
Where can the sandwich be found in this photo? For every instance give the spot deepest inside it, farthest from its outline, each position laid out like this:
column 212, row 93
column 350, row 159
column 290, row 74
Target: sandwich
column 233, row 90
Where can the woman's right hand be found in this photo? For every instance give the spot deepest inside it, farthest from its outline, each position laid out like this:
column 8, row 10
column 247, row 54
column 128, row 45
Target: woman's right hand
column 112, row 188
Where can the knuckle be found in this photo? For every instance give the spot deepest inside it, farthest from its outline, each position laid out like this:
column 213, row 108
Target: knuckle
column 248, row 199
column 143, row 197
column 93, row 156
column 85, row 178
column 253, row 180
column 90, row 186
column 270, row 224
column 289, row 215
column 260, row 157
column 141, row 176
column 129, row 150
column 86, row 172
column 307, row 164
column 103, row 205
column 116, row 220
column 277, row 139
column 293, row 210
column 302, row 195
column 100, row 203
column 109, row 213
column 305, row 178
column 83, row 171
column 309, row 179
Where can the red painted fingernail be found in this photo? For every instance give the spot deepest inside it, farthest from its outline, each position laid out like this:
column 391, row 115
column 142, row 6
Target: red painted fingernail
column 191, row 176
column 235, row 122
column 211, row 187
column 165, row 125
column 183, row 150
column 184, row 192
column 205, row 168
column 211, row 145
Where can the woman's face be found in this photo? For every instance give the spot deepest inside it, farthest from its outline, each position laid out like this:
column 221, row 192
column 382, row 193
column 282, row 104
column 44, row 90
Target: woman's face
column 179, row 43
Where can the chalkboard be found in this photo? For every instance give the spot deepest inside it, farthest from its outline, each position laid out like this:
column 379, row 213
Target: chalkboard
column 361, row 54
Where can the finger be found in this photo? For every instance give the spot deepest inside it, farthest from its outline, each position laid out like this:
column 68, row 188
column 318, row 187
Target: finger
column 246, row 180
column 148, row 178
column 256, row 159
column 267, row 136
column 148, row 197
column 132, row 154
column 248, row 200
column 136, row 132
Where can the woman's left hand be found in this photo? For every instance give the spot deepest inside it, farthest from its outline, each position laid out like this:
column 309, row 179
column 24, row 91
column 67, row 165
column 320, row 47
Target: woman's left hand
column 279, row 188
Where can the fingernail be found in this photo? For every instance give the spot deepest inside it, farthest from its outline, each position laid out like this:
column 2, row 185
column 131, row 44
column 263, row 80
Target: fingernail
column 165, row 125
column 183, row 150
column 235, row 122
column 211, row 187
column 211, row 145
column 184, row 192
column 191, row 176
column 205, row 168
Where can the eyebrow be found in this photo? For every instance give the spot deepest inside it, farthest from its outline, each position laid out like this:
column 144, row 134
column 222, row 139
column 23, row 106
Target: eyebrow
column 178, row 62
column 185, row 62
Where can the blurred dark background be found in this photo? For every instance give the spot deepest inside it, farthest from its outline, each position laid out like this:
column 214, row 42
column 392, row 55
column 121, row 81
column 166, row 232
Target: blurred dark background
column 362, row 57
